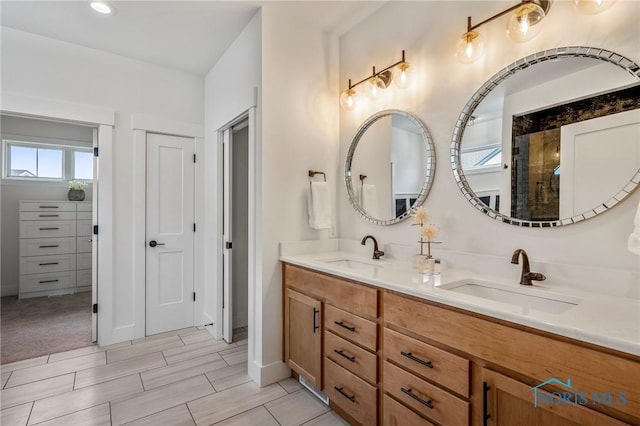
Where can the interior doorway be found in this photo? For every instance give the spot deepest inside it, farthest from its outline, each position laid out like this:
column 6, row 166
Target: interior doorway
column 235, row 318
column 49, row 252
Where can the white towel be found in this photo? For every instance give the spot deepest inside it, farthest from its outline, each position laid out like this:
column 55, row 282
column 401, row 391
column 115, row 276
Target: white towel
column 633, row 244
column 319, row 202
column 369, row 200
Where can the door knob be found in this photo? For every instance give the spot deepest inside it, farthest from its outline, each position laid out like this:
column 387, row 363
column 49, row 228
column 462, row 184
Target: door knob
column 154, row 243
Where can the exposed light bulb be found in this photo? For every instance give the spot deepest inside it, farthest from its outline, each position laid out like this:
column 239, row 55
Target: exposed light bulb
column 103, row 7
column 592, row 7
column 525, row 23
column 376, row 84
column 403, row 77
column 348, row 99
column 470, row 47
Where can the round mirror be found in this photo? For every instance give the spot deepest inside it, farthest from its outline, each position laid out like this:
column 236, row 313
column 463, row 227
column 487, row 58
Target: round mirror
column 390, row 166
column 552, row 139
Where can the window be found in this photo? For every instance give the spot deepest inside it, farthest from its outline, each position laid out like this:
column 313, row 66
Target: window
column 485, row 156
column 41, row 161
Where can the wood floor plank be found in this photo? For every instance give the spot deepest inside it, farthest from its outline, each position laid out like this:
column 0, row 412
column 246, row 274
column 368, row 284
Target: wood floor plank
column 4, row 377
column 103, row 373
column 16, row 416
column 198, row 336
column 237, row 357
column 100, row 415
column 75, row 353
column 77, row 400
column 25, row 363
column 327, row 419
column 143, row 348
column 164, row 334
column 230, row 376
column 45, row 371
column 156, row 400
column 290, row 385
column 119, row 345
column 176, row 416
column 30, row 392
column 195, row 350
column 256, row 416
column 233, row 401
column 296, row 408
column 176, row 372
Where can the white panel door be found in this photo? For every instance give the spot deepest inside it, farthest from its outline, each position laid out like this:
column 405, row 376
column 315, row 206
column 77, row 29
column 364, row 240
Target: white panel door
column 169, row 233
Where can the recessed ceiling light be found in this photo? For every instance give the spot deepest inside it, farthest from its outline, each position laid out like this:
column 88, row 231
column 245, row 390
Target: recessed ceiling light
column 103, row 7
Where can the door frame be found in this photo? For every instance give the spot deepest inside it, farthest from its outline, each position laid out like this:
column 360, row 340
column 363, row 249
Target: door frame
column 103, row 119
column 143, row 124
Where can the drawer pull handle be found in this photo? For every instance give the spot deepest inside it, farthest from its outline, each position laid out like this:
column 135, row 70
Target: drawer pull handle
column 315, row 320
column 418, row 360
column 416, row 397
column 49, row 215
column 49, row 207
column 50, row 246
column 341, row 353
column 49, row 263
column 351, row 398
column 49, row 229
column 48, row 281
column 343, row 325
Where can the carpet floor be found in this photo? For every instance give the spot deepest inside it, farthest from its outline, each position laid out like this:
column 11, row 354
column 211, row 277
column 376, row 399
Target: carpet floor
column 33, row 327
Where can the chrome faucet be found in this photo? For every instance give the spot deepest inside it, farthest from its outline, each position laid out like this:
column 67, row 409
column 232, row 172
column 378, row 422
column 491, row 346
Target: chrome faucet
column 527, row 275
column 377, row 254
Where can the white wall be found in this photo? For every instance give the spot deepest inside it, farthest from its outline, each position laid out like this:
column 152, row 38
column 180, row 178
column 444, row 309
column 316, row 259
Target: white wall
column 428, row 32
column 12, row 191
column 38, row 66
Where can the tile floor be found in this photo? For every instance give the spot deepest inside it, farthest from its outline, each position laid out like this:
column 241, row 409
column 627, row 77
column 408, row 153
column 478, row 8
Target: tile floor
column 184, row 377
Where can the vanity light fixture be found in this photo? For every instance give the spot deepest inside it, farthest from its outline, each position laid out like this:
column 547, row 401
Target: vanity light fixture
column 593, row 7
column 103, row 7
column 378, row 80
column 523, row 25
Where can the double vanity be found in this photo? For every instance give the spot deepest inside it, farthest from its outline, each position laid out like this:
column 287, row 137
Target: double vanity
column 390, row 346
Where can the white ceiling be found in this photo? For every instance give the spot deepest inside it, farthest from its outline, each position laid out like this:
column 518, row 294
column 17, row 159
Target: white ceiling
column 185, row 35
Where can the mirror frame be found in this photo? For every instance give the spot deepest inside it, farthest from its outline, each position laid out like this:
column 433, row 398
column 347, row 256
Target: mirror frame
column 431, row 164
column 519, row 65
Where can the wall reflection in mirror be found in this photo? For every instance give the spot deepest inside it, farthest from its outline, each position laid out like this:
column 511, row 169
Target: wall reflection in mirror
column 389, row 167
column 552, row 139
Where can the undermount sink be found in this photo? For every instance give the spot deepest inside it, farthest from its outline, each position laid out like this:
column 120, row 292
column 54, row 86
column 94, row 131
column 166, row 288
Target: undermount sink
column 353, row 264
column 526, row 298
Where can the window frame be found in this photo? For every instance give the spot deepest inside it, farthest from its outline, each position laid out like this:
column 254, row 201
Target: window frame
column 68, row 159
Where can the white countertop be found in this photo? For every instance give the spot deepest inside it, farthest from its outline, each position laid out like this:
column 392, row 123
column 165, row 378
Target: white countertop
column 609, row 321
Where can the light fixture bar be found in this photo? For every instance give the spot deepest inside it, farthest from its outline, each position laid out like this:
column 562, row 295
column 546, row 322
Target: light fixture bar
column 378, row 73
column 544, row 4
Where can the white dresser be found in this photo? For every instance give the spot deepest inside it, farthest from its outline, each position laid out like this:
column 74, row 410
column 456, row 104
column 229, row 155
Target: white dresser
column 55, row 247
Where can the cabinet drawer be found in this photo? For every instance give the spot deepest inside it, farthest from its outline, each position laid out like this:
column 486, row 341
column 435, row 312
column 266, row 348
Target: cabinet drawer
column 84, row 228
column 351, row 327
column 47, row 228
column 344, row 294
column 84, row 215
column 47, row 206
column 352, row 357
column 46, row 246
column 43, row 264
column 48, row 281
column 425, row 398
column 85, row 206
column 396, row 414
column 442, row 367
column 48, row 215
column 352, row 394
column 83, row 261
column 83, row 278
column 83, row 244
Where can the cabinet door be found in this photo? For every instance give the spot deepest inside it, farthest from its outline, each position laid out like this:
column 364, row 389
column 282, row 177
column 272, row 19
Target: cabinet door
column 303, row 342
column 508, row 402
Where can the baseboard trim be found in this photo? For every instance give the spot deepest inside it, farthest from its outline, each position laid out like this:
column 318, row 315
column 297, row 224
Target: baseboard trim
column 268, row 374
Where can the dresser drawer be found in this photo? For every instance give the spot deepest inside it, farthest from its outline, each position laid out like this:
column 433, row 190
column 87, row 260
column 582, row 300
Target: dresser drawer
column 351, row 327
column 83, row 277
column 425, row 398
column 84, row 244
column 47, row 206
column 352, row 357
column 84, row 215
column 47, row 228
column 444, row 368
column 48, row 281
column 83, row 261
column 352, row 394
column 43, row 264
column 84, row 228
column 85, row 206
column 48, row 215
column 46, row 246
column 396, row 414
